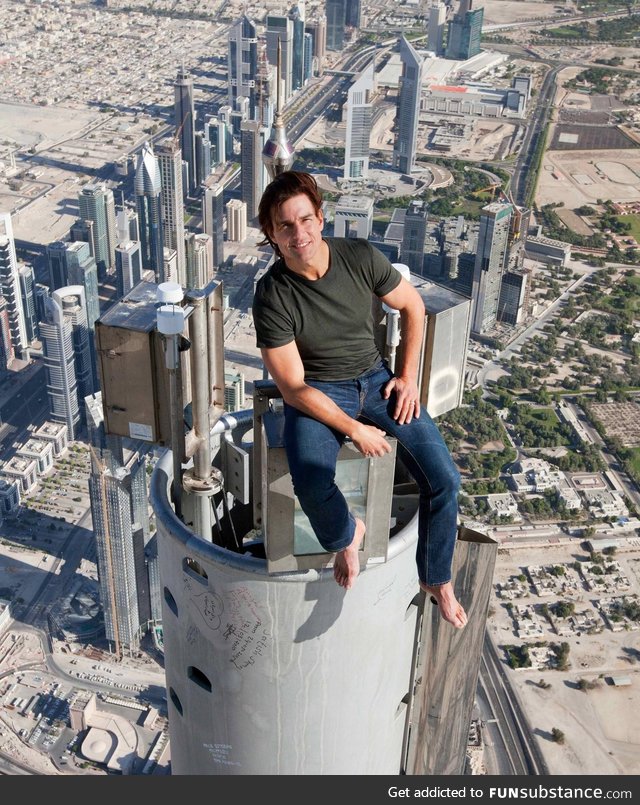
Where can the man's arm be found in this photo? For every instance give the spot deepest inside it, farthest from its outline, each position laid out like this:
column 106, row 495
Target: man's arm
column 408, row 302
column 285, row 367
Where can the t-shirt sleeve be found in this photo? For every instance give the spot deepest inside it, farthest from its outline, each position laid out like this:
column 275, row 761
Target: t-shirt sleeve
column 272, row 324
column 385, row 276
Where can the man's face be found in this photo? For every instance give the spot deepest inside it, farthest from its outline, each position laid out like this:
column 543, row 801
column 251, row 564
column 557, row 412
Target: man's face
column 297, row 231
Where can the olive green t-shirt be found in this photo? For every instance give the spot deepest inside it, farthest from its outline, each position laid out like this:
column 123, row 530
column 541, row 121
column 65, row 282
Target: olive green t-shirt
column 330, row 319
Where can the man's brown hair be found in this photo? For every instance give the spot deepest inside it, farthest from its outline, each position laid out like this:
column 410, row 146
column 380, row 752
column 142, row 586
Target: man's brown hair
column 286, row 185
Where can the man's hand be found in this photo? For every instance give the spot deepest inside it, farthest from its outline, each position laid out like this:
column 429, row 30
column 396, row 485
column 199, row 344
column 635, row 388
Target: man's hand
column 407, row 399
column 370, row 440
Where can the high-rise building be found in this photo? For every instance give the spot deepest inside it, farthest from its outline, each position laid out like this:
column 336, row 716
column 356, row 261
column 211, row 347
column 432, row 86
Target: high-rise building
column 236, row 220
column 213, row 219
column 10, row 288
column 513, row 296
column 185, row 122
column 307, row 67
column 57, row 261
column 170, row 162
column 27, row 293
column 148, row 190
column 56, row 335
column 252, row 170
column 336, row 15
column 119, row 509
column 71, row 263
column 414, row 237
column 7, row 353
column 465, row 32
column 82, row 231
column 127, row 225
column 82, row 270
column 242, row 62
column 217, row 136
column 233, row 391
column 353, row 217
column 491, row 254
column 280, row 30
column 71, row 300
column 199, row 256
column 97, row 204
column 318, row 30
column 203, row 157
column 266, row 88
column 435, row 31
column 353, row 14
column 297, row 15
column 408, row 107
column 359, row 118
column 128, row 266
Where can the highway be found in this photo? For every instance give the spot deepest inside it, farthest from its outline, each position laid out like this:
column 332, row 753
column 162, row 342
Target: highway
column 535, row 130
column 517, row 748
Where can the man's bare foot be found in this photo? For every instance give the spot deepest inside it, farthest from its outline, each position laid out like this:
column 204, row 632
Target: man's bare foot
column 450, row 609
column 346, row 565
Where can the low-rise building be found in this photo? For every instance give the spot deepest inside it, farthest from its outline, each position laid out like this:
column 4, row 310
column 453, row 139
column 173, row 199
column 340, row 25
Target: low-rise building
column 56, row 433
column 24, row 470
column 41, row 451
column 9, row 495
column 504, row 505
column 603, row 503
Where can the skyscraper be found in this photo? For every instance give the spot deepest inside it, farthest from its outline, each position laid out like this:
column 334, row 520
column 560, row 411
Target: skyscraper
column 213, row 219
column 414, row 236
column 71, row 301
column 128, row 266
column 252, row 170
column 217, row 136
column 336, row 14
column 120, row 513
column 56, row 334
column 81, row 230
column 465, row 32
column 57, row 261
column 318, row 30
column 353, row 14
column 236, row 220
column 489, row 265
column 97, row 204
column 203, row 157
column 199, row 256
column 280, row 29
column 7, row 353
column 27, row 293
column 82, row 270
column 127, row 225
column 185, row 121
column 307, row 68
column 297, row 15
column 242, row 62
column 170, row 162
column 10, row 288
column 408, row 107
column 148, row 189
column 359, row 117
column 437, row 20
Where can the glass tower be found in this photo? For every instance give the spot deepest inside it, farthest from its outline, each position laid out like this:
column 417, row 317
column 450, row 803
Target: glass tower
column 148, row 190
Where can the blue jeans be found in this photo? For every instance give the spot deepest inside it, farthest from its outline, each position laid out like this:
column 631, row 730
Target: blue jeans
column 312, row 451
